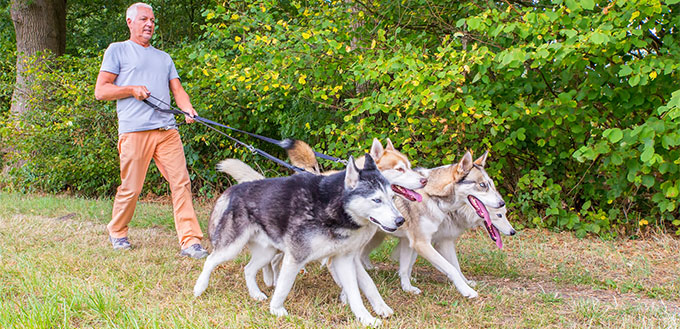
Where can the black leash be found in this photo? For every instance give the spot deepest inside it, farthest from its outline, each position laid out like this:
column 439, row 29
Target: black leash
column 279, row 143
column 207, row 123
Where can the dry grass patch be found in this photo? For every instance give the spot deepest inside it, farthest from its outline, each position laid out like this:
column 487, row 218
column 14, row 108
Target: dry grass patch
column 63, row 273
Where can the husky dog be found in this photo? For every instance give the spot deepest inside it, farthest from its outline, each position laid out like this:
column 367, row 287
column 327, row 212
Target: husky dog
column 307, row 217
column 457, row 197
column 393, row 164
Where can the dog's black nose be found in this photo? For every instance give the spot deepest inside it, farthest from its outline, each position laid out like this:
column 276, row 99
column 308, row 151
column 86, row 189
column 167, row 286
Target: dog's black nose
column 501, row 204
column 512, row 232
column 423, row 181
column 400, row 221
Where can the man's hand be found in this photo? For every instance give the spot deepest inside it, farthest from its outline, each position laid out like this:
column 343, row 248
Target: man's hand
column 106, row 90
column 190, row 119
column 140, row 92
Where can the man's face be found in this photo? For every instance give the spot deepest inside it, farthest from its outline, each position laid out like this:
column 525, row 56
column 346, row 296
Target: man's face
column 142, row 27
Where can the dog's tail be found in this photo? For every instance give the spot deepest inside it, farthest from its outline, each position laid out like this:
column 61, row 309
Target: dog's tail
column 301, row 155
column 238, row 170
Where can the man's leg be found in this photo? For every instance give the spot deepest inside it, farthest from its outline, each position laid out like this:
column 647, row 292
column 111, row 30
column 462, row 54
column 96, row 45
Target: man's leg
column 170, row 160
column 135, row 151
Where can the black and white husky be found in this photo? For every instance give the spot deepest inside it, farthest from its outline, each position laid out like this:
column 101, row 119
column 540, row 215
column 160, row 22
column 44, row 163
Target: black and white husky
column 308, row 217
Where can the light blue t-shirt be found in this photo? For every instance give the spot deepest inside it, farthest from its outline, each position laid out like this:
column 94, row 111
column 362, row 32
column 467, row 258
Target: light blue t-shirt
column 143, row 66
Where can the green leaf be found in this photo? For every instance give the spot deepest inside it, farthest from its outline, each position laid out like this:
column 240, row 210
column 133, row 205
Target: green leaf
column 648, row 181
column 599, row 38
column 647, row 154
column 634, row 80
column 593, row 228
column 614, row 134
column 588, row 4
column 580, row 233
column 625, row 71
column 572, row 5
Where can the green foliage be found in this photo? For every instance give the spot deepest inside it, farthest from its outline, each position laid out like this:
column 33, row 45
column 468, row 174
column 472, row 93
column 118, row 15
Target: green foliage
column 67, row 140
column 93, row 25
column 563, row 94
column 577, row 101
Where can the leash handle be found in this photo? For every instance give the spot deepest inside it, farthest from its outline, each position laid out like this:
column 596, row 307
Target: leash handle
column 251, row 148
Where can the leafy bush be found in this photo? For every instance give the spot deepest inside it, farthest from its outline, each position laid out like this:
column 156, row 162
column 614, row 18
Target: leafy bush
column 551, row 90
column 576, row 100
column 68, row 140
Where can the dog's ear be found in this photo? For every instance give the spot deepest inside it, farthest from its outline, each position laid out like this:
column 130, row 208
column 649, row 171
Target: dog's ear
column 389, row 145
column 465, row 164
column 481, row 161
column 377, row 149
column 351, row 174
column 369, row 164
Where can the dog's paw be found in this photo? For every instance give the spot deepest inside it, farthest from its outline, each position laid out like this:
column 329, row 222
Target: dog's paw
column 383, row 310
column 370, row 321
column 411, row 289
column 278, row 311
column 258, row 295
column 469, row 293
column 199, row 288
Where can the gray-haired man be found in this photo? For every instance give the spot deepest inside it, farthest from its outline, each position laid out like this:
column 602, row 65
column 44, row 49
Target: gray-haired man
column 132, row 70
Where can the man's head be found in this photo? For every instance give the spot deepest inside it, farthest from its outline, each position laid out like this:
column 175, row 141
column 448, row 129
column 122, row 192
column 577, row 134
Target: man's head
column 141, row 22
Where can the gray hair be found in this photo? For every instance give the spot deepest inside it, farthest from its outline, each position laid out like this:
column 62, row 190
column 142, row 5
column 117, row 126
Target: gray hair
column 131, row 12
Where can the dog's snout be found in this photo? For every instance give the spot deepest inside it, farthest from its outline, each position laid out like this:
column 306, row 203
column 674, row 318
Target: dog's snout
column 423, row 181
column 399, row 221
column 501, row 204
column 512, row 232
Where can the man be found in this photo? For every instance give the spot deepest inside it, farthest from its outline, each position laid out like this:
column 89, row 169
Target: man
column 131, row 71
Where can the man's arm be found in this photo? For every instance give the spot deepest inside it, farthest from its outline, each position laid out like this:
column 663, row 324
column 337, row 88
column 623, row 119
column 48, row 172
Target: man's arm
column 182, row 99
column 105, row 90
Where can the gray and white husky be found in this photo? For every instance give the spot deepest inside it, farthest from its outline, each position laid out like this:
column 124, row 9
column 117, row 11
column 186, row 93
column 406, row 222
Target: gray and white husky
column 308, row 217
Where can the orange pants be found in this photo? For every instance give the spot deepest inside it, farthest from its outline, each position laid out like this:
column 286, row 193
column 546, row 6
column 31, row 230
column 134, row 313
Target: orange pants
column 136, row 151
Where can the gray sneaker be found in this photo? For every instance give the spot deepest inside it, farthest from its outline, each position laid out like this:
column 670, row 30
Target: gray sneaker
column 194, row 251
column 120, row 243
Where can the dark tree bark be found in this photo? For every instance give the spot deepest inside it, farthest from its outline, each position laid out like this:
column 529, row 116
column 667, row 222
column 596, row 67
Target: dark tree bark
column 40, row 25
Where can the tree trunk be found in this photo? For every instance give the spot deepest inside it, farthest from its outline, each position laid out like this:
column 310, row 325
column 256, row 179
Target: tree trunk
column 40, row 25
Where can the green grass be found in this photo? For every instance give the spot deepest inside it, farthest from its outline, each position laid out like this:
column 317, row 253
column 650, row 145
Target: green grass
column 58, row 271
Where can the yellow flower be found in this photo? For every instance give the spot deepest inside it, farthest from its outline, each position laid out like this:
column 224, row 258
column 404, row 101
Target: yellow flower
column 643, row 222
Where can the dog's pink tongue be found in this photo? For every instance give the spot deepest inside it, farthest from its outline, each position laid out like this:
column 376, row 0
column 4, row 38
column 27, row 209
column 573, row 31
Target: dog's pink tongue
column 493, row 230
column 415, row 195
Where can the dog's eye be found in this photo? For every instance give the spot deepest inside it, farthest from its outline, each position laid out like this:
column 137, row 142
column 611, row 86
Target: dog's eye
column 377, row 200
column 401, row 170
column 482, row 185
column 499, row 215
